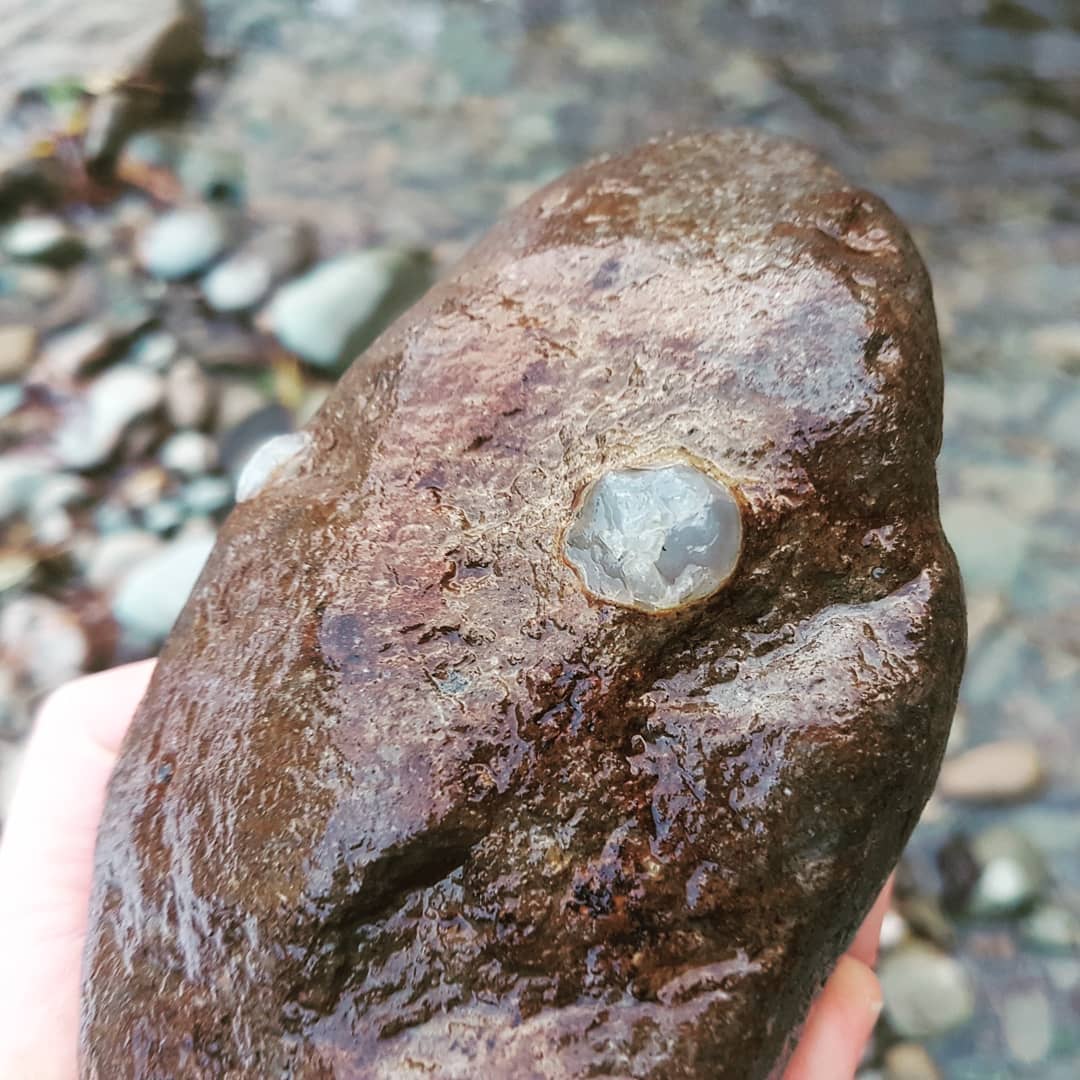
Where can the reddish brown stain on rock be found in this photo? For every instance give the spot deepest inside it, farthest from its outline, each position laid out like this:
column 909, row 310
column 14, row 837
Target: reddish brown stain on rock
column 432, row 811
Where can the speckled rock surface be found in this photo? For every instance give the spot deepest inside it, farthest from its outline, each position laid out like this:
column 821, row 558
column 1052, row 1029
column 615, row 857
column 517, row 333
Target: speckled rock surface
column 403, row 800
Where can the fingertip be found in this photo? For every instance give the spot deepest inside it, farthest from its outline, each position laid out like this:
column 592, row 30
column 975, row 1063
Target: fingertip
column 46, row 863
column 868, row 938
column 103, row 704
column 52, row 820
column 859, row 986
column 840, row 1023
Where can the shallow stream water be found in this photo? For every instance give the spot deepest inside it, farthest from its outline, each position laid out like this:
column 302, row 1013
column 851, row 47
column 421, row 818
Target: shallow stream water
column 418, row 122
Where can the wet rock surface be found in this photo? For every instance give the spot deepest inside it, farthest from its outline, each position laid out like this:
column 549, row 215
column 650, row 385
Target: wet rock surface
column 403, row 796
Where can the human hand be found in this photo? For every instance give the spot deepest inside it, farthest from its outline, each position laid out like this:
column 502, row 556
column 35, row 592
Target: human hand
column 46, row 865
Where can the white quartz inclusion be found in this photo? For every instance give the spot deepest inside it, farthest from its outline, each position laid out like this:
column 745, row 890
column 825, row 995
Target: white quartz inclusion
column 655, row 538
column 277, row 458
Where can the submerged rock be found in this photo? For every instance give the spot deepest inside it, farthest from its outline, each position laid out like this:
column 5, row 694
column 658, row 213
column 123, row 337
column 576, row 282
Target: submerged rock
column 113, row 555
column 184, row 242
column 34, row 181
column 74, row 352
column 1052, row 928
column 407, row 796
column 100, row 419
column 998, row 772
column 926, row 992
column 213, row 173
column 12, row 396
column 1028, row 1025
column 42, row 642
column 237, row 284
column 189, row 394
column 16, row 569
column 150, row 597
column 1012, row 872
column 42, row 239
column 165, row 516
column 208, row 495
column 243, row 280
column 189, row 453
column 341, row 306
column 909, row 1061
column 927, row 918
column 22, row 475
column 17, row 347
column 155, row 351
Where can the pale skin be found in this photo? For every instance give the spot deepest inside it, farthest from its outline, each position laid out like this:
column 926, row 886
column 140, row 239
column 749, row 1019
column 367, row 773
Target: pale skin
column 46, row 864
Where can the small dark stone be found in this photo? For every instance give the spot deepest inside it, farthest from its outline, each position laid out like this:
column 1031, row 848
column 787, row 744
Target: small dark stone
column 1012, row 873
column 177, row 52
column 926, row 917
column 1008, row 15
column 114, row 118
column 159, row 79
column 37, row 182
column 959, row 871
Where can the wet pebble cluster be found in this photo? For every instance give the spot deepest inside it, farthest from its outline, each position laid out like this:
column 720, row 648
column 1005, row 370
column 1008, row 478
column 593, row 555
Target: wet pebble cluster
column 154, row 338
column 988, row 897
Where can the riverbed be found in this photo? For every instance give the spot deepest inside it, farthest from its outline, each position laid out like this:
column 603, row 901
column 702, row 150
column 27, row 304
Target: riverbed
column 415, row 123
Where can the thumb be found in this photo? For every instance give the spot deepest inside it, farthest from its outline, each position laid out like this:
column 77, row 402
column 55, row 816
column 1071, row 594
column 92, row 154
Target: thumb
column 46, row 864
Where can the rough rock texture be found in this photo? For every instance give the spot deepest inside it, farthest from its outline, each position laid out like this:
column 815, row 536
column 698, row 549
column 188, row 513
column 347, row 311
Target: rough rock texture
column 403, row 800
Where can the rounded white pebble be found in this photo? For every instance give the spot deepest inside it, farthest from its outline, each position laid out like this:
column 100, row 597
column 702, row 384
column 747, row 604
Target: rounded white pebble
column 277, row 457
column 238, row 283
column 893, row 930
column 655, row 538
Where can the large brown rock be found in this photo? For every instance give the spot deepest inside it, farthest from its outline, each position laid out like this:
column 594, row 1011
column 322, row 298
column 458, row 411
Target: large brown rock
column 403, row 800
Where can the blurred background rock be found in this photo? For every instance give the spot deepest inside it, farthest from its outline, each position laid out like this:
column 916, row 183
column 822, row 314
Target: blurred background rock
column 185, row 202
